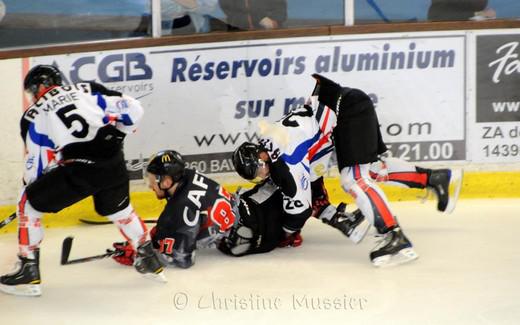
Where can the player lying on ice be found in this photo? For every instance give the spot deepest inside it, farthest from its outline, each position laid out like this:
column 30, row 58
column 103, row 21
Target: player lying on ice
column 200, row 213
column 197, row 214
column 295, row 151
column 261, row 217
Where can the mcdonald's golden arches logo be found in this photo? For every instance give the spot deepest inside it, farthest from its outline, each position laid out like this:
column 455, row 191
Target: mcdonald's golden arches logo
column 166, row 158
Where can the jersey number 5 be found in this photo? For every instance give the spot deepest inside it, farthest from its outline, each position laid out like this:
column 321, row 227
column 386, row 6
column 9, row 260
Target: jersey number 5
column 69, row 119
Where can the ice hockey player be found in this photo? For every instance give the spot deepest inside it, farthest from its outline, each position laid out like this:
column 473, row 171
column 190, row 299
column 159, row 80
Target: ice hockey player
column 294, row 154
column 198, row 211
column 259, row 228
column 359, row 148
column 73, row 137
column 347, row 115
column 246, row 162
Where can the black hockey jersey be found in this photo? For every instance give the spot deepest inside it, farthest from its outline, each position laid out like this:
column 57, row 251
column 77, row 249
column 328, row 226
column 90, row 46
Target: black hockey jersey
column 259, row 228
column 197, row 215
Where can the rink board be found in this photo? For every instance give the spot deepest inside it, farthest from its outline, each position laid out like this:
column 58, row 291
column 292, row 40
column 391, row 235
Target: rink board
column 452, row 101
column 485, row 185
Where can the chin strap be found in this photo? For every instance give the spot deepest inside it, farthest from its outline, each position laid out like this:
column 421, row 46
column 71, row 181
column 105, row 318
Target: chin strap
column 158, row 179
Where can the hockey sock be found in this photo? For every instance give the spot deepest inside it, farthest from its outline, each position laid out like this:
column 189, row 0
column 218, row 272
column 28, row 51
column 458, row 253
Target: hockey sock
column 399, row 172
column 30, row 232
column 370, row 199
column 130, row 225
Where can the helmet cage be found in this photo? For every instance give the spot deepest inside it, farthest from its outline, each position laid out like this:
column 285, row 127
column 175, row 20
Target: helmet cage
column 246, row 160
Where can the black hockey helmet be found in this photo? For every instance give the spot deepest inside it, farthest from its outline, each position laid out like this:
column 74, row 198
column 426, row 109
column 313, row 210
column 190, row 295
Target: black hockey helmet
column 46, row 75
column 167, row 162
column 246, row 161
column 328, row 91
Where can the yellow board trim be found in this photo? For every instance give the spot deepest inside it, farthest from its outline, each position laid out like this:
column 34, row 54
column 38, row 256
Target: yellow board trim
column 487, row 185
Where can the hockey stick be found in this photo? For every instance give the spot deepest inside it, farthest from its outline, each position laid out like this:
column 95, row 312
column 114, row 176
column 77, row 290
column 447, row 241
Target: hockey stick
column 67, row 246
column 7, row 220
column 94, row 222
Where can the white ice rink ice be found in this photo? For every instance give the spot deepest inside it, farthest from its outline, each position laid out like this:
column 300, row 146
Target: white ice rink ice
column 468, row 272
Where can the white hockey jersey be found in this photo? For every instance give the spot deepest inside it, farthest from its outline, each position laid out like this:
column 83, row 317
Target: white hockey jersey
column 69, row 115
column 300, row 146
column 304, row 136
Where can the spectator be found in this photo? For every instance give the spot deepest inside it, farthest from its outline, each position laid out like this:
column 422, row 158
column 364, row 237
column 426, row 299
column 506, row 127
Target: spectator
column 2, row 10
column 186, row 16
column 457, row 10
column 254, row 14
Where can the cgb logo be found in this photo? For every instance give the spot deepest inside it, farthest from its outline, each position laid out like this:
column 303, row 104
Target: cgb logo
column 111, row 68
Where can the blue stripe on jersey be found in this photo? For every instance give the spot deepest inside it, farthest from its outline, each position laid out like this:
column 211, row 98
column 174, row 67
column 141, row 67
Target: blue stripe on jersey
column 101, row 102
column 301, row 151
column 40, row 166
column 126, row 120
column 43, row 141
column 39, row 138
column 307, row 167
column 322, row 153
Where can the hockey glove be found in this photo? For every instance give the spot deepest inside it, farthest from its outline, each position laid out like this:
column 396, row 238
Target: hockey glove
column 291, row 240
column 153, row 233
column 125, row 253
column 320, row 197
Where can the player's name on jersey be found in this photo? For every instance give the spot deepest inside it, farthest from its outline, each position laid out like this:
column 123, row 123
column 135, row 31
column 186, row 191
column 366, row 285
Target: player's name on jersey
column 57, row 97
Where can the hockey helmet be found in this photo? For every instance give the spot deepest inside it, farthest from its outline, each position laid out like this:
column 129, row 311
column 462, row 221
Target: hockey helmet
column 46, row 75
column 246, row 160
column 167, row 162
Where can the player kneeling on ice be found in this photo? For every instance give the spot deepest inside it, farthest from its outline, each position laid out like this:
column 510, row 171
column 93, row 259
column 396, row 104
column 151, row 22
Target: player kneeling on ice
column 197, row 214
column 268, row 200
column 73, row 136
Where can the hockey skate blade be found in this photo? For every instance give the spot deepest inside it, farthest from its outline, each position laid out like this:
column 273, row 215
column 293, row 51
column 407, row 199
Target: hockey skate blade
column 457, row 176
column 27, row 290
column 157, row 277
column 359, row 232
column 405, row 255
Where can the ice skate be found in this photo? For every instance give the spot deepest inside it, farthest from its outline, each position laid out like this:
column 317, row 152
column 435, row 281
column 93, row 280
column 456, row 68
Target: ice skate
column 393, row 249
column 25, row 279
column 446, row 184
column 353, row 225
column 148, row 264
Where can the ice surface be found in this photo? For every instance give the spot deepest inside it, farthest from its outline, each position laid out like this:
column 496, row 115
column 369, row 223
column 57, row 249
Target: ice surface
column 468, row 273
